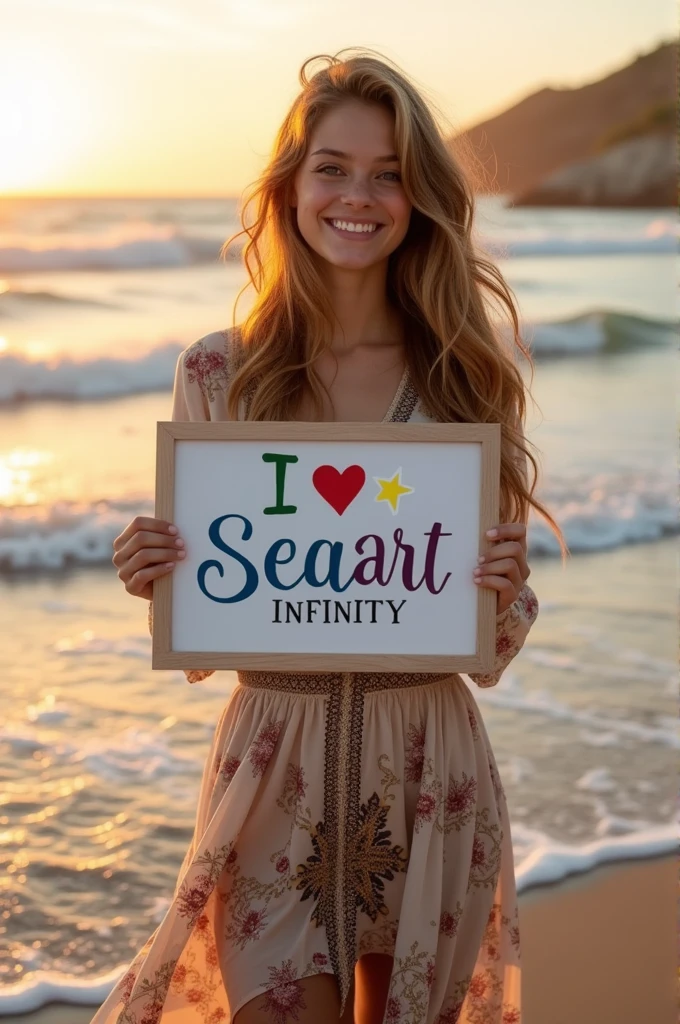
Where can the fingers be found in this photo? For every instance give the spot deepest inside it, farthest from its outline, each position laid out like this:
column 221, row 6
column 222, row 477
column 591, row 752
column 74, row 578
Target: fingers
column 145, row 557
column 506, row 592
column 506, row 569
column 509, row 531
column 146, row 541
column 139, row 584
column 144, row 538
column 141, row 523
column 502, row 554
column 146, row 549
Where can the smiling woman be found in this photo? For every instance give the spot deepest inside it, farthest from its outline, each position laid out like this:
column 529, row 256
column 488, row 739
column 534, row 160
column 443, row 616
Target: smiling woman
column 352, row 857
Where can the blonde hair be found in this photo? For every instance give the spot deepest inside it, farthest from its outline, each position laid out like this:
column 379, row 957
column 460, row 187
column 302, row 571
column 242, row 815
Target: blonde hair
column 462, row 369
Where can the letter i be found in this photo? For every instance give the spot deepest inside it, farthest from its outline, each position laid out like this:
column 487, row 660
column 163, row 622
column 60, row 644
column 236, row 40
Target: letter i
column 281, row 461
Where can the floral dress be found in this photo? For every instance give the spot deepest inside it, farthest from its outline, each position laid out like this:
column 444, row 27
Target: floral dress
column 338, row 814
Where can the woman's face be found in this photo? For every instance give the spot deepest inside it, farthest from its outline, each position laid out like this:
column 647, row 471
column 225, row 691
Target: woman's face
column 358, row 187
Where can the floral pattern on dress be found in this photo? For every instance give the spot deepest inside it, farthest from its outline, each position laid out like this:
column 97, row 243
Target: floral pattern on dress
column 207, row 368
column 449, row 921
column 373, row 859
column 263, row 746
column 453, row 1005
column 248, row 898
column 512, row 626
column 453, row 809
column 484, row 1002
column 284, row 997
column 294, row 789
column 496, row 782
column 227, row 768
column 192, row 896
column 474, row 725
column 152, row 992
column 412, row 979
column 380, row 939
column 200, row 987
column 414, row 754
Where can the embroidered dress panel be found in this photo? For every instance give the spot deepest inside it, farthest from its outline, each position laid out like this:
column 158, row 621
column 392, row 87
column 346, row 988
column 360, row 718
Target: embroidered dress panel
column 338, row 814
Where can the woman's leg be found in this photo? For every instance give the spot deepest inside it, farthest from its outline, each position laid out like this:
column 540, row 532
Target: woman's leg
column 307, row 1001
column 372, row 975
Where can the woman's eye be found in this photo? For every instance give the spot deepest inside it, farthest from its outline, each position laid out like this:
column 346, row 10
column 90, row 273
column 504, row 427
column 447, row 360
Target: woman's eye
column 332, row 167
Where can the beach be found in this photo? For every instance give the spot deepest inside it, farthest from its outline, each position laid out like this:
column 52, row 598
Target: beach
column 597, row 948
column 600, row 948
column 101, row 756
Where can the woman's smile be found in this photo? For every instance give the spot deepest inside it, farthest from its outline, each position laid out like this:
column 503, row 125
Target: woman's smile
column 358, row 234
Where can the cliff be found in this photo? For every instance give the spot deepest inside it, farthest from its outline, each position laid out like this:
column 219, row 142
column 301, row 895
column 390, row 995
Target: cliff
column 608, row 143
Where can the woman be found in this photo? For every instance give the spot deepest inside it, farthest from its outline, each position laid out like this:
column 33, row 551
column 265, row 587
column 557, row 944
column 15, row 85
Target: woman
column 352, row 858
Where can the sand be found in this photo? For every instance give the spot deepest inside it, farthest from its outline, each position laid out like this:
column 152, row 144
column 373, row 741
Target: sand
column 599, row 948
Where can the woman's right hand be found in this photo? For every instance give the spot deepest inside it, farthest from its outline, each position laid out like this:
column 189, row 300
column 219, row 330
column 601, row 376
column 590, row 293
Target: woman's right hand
column 146, row 549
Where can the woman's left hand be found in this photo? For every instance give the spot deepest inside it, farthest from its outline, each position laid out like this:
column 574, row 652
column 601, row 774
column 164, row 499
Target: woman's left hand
column 505, row 567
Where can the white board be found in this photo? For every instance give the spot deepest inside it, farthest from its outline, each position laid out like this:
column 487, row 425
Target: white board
column 342, row 562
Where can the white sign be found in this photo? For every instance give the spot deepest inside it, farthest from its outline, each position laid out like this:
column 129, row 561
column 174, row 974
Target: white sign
column 310, row 549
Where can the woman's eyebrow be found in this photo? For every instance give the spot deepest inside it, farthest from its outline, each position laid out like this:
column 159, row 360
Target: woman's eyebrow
column 390, row 159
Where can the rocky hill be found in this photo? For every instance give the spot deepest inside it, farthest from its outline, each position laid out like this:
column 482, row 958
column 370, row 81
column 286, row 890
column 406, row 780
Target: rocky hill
column 612, row 142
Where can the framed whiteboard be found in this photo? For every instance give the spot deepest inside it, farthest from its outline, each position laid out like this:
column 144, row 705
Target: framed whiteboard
column 327, row 546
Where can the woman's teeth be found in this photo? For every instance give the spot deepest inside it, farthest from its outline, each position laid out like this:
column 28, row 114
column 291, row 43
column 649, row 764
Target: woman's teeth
column 347, row 228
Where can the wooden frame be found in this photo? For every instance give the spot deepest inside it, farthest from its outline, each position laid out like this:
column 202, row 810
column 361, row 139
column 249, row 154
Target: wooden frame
column 487, row 435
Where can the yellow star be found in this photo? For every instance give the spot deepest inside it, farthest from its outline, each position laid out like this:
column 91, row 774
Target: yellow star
column 392, row 490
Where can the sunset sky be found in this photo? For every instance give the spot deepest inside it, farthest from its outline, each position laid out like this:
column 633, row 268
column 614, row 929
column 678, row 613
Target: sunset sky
column 183, row 97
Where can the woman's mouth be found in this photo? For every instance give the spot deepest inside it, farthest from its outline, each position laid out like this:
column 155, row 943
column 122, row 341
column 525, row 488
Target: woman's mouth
column 356, row 236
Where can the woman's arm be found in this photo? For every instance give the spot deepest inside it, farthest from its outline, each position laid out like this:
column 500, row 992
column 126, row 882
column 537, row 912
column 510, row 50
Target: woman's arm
column 512, row 628
column 515, row 621
column 201, row 376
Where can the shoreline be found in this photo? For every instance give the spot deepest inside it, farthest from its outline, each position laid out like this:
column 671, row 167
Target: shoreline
column 597, row 946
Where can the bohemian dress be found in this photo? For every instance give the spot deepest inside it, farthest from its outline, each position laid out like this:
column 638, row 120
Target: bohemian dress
column 338, row 814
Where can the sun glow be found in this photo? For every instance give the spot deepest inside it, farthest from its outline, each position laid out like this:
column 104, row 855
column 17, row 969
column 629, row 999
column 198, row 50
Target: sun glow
column 46, row 119
column 18, row 472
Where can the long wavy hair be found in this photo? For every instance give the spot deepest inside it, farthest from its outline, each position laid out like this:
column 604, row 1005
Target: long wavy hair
column 463, row 369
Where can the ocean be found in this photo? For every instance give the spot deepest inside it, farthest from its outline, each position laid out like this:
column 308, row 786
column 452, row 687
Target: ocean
column 101, row 757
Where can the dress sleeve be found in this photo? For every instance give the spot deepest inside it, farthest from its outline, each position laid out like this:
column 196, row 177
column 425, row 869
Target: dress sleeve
column 512, row 628
column 512, row 625
column 190, row 401
column 189, row 398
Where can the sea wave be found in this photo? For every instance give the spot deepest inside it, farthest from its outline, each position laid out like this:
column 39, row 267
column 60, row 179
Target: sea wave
column 15, row 298
column 143, row 243
column 596, row 513
column 63, row 535
column 598, row 332
column 604, row 511
column 658, row 236
column 127, row 247
column 62, row 377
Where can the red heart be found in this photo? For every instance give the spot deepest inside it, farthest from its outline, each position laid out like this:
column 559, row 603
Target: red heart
column 339, row 489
